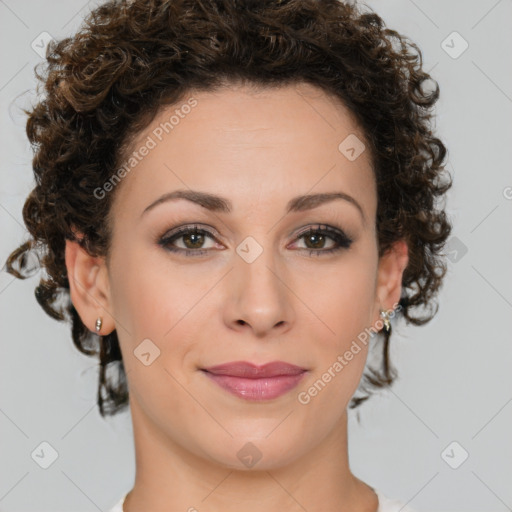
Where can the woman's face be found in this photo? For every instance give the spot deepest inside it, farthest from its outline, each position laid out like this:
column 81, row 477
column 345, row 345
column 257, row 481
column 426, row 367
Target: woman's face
column 251, row 284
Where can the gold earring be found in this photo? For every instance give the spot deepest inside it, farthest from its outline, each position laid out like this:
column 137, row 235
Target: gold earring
column 99, row 321
column 385, row 317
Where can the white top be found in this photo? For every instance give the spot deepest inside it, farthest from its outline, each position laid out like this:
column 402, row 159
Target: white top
column 385, row 504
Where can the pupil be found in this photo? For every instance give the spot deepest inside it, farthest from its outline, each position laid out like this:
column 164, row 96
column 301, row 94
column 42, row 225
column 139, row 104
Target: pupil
column 198, row 240
column 319, row 239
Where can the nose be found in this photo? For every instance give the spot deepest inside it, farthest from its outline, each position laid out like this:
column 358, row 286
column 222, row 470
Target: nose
column 259, row 297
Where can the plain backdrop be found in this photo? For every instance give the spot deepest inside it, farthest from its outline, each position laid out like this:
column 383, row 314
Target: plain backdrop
column 440, row 439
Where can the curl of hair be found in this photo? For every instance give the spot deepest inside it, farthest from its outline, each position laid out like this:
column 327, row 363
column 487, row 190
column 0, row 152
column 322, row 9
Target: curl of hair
column 129, row 58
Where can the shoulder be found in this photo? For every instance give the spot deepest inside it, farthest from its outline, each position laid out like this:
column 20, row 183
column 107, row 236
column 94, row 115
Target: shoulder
column 391, row 505
column 118, row 507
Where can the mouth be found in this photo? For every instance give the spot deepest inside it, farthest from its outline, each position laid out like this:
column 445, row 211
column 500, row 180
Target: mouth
column 252, row 382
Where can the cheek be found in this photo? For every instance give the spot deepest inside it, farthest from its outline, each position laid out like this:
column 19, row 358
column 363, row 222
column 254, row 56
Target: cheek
column 341, row 304
column 141, row 297
column 154, row 298
column 342, row 298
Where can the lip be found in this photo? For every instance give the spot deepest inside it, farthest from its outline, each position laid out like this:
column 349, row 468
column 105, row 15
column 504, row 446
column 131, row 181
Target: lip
column 254, row 371
column 252, row 382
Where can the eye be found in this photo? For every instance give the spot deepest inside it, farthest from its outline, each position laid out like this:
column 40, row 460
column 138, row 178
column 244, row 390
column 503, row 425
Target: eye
column 315, row 239
column 193, row 239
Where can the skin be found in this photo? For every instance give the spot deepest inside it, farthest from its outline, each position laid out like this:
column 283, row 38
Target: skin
column 259, row 150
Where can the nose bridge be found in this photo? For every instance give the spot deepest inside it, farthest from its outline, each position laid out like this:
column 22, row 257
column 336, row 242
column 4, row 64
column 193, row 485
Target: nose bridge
column 260, row 296
column 256, row 261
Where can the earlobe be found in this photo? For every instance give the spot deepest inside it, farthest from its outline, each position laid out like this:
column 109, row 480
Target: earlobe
column 392, row 265
column 89, row 287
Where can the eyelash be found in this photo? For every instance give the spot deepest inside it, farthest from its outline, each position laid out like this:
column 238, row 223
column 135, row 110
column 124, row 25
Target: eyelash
column 338, row 236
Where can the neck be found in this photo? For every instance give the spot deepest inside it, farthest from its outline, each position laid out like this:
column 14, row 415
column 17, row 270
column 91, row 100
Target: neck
column 171, row 477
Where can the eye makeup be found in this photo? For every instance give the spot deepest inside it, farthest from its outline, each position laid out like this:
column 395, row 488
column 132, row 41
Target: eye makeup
column 193, row 237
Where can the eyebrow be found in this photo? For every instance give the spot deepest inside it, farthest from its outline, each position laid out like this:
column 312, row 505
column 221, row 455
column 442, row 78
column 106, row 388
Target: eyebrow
column 220, row 204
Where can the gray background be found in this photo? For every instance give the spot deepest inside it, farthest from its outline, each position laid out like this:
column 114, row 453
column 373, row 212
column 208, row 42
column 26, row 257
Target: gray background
column 455, row 372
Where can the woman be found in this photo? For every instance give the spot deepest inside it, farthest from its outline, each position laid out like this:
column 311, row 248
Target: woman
column 232, row 201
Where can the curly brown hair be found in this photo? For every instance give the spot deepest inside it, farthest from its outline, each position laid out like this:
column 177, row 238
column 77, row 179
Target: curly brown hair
column 129, row 58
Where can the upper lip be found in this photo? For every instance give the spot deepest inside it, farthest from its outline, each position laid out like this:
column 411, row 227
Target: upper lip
column 253, row 371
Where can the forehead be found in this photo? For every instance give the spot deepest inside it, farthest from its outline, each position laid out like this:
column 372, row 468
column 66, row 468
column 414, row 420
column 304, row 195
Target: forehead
column 253, row 146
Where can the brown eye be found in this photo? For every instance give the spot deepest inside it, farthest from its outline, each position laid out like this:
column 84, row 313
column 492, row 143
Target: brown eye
column 193, row 239
column 316, row 238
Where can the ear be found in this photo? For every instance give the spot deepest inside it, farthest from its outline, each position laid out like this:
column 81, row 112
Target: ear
column 389, row 277
column 89, row 287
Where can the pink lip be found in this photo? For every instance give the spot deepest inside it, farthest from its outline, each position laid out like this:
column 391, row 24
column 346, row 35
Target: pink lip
column 253, row 382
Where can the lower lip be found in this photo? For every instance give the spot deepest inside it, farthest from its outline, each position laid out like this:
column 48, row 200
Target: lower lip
column 265, row 388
